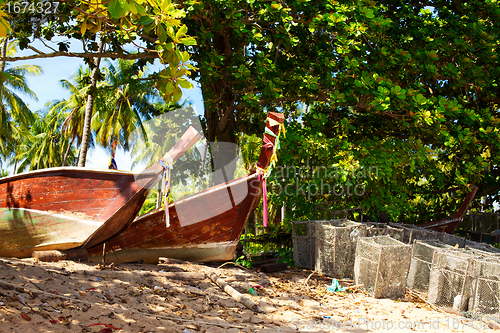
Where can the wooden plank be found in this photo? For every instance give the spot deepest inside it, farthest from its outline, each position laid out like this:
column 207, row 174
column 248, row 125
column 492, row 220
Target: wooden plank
column 55, row 255
column 243, row 299
column 135, row 273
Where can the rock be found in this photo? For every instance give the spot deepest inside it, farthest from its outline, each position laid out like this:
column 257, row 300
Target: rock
column 309, row 304
column 256, row 320
column 215, row 329
column 243, row 318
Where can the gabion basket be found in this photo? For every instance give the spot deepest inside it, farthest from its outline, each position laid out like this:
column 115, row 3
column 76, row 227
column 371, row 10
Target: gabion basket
column 421, row 262
column 451, row 276
column 485, row 295
column 482, row 253
column 452, row 240
column 412, row 232
column 481, row 246
column 381, row 229
column 381, row 265
column 303, row 243
column 335, row 245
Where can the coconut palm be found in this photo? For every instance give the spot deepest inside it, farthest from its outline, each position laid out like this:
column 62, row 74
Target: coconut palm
column 125, row 100
column 74, row 107
column 45, row 146
column 13, row 110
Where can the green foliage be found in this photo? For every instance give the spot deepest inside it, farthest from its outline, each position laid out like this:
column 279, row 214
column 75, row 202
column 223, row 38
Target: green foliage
column 243, row 261
column 43, row 145
column 155, row 25
column 15, row 116
column 286, row 256
column 149, row 203
column 123, row 102
column 406, row 108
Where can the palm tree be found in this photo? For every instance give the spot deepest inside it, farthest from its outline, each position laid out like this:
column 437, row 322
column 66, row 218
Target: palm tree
column 126, row 100
column 74, row 107
column 89, row 106
column 123, row 100
column 45, row 146
column 13, row 110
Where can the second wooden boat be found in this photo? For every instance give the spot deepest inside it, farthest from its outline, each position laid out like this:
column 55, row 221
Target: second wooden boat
column 215, row 217
column 448, row 225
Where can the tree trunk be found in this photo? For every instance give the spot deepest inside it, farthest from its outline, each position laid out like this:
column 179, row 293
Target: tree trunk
column 202, row 167
column 3, row 51
column 5, row 42
column 67, row 150
column 82, row 156
column 223, row 132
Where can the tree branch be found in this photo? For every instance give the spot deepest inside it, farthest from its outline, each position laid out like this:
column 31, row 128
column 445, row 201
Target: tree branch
column 112, row 55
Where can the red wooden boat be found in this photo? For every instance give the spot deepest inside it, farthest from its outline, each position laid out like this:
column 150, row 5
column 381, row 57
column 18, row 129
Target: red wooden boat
column 214, row 222
column 448, row 225
column 68, row 207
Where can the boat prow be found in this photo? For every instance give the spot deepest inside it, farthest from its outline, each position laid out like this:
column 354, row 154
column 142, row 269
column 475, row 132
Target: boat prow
column 205, row 226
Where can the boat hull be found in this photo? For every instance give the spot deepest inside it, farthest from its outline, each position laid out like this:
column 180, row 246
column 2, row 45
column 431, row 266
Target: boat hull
column 24, row 231
column 63, row 208
column 210, row 252
column 211, row 239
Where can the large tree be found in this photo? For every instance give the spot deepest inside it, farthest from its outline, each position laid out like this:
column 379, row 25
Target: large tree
column 409, row 88
column 413, row 95
column 137, row 29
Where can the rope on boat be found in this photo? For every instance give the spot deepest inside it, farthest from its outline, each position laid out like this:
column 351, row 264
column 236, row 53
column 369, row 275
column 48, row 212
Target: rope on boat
column 264, row 173
column 165, row 184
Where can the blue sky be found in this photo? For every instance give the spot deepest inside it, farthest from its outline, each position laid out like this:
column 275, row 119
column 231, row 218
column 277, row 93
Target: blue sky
column 47, row 87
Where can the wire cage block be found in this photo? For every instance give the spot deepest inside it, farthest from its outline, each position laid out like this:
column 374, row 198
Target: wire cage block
column 382, row 229
column 381, row 265
column 481, row 246
column 483, row 252
column 303, row 244
column 451, row 277
column 335, row 245
column 452, row 240
column 421, row 262
column 485, row 295
column 412, row 232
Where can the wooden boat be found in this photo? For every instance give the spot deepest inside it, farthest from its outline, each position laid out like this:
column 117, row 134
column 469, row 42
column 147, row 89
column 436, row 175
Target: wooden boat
column 448, row 225
column 68, row 207
column 215, row 222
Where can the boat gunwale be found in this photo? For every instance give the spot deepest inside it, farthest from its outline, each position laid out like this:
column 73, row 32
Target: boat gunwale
column 69, row 168
column 201, row 193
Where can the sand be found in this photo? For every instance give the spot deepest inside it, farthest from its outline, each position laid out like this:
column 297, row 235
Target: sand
column 69, row 296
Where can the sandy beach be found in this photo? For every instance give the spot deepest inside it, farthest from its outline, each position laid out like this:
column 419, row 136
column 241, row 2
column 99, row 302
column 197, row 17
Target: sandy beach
column 69, row 296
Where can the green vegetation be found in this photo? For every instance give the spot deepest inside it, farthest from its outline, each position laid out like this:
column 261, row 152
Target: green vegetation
column 107, row 29
column 390, row 106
